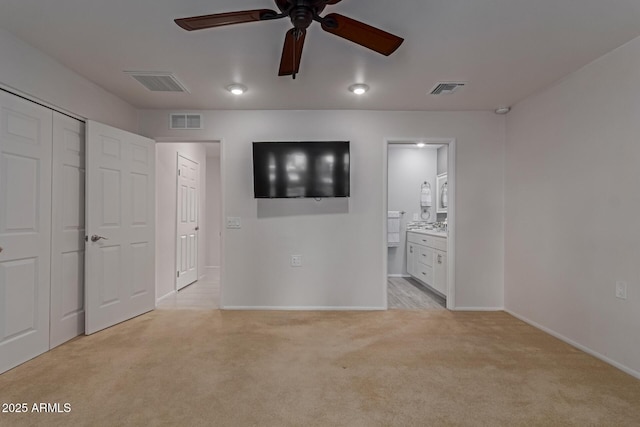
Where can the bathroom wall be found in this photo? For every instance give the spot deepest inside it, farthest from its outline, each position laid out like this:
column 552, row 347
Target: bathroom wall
column 409, row 166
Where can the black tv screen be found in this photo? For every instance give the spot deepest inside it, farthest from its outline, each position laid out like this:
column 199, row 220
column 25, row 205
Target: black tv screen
column 301, row 169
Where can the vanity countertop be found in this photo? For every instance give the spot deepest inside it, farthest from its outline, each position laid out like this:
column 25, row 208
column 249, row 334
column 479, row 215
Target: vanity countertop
column 429, row 232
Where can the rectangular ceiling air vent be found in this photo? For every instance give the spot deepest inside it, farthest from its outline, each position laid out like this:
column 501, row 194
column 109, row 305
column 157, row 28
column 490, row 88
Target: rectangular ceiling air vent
column 185, row 121
column 158, row 81
column 446, row 88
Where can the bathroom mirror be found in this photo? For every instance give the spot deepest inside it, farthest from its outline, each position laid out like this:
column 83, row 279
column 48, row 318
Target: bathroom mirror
column 442, row 193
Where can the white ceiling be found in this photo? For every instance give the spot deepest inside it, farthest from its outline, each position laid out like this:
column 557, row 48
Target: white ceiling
column 505, row 50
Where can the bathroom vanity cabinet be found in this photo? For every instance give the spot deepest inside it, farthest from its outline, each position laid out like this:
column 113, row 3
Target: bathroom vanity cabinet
column 427, row 258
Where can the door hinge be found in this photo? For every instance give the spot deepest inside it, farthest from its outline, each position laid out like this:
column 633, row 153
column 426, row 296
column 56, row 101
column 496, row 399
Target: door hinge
column 179, row 172
column 178, row 274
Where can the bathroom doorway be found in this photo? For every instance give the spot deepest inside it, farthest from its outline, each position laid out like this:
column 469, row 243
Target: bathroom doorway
column 419, row 190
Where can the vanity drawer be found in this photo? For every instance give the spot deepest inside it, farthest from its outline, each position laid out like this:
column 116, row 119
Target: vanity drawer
column 425, row 255
column 424, row 273
column 439, row 243
column 420, row 239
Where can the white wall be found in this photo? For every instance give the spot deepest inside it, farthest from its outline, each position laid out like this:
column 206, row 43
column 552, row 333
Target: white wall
column 408, row 168
column 572, row 204
column 342, row 244
column 32, row 72
column 166, row 211
column 213, row 213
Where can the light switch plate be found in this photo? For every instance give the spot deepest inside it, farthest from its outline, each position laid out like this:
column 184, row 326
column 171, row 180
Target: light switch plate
column 296, row 260
column 233, row 222
column 621, row 290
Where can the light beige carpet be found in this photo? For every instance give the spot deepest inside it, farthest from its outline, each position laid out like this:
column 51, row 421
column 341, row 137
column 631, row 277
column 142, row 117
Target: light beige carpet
column 394, row 368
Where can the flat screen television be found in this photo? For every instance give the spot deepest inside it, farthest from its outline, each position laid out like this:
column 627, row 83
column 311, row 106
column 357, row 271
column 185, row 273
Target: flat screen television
column 301, row 169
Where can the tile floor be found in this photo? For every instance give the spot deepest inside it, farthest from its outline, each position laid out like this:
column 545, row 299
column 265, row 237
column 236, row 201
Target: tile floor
column 402, row 294
column 200, row 295
column 408, row 294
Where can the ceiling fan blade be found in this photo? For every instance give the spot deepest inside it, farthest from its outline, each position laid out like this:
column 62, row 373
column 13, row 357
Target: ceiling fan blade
column 292, row 52
column 358, row 32
column 221, row 19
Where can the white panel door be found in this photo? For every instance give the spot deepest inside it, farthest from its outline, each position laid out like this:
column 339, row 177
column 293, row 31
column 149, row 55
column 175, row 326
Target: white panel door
column 67, row 234
column 187, row 217
column 25, row 229
column 120, row 224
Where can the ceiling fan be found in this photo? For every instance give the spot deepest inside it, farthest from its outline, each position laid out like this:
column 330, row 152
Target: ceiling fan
column 302, row 13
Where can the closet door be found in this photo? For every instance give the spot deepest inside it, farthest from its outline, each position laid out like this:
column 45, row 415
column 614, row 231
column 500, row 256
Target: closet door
column 120, row 208
column 25, row 229
column 67, row 244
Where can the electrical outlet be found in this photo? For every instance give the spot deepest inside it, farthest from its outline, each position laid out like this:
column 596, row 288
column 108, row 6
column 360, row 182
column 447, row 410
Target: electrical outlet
column 296, row 260
column 621, row 290
column 233, row 222
column 416, row 217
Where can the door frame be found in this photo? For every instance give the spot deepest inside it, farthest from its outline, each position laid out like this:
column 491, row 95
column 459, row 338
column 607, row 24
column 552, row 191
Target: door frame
column 451, row 214
column 223, row 230
column 199, row 199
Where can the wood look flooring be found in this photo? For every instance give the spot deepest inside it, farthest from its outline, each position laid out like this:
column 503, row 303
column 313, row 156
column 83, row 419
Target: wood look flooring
column 402, row 294
column 200, row 295
column 408, row 294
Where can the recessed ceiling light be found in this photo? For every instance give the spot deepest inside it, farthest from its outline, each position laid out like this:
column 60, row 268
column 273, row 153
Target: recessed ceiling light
column 420, row 144
column 359, row 89
column 237, row 89
column 503, row 110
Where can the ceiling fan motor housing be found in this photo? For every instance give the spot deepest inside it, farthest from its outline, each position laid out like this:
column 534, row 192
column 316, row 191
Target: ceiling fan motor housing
column 302, row 14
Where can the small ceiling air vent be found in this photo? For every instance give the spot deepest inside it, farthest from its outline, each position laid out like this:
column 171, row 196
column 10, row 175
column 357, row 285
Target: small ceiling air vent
column 158, row 82
column 185, row 121
column 446, row 88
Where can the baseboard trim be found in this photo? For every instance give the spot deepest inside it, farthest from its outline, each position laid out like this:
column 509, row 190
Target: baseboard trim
column 399, row 275
column 477, row 309
column 165, row 296
column 569, row 341
column 299, row 308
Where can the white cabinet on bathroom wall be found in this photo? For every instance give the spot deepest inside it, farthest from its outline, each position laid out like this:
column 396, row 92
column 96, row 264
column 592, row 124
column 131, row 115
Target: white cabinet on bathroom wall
column 427, row 260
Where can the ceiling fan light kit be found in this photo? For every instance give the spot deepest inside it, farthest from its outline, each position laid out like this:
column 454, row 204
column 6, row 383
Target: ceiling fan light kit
column 237, row 89
column 359, row 89
column 302, row 13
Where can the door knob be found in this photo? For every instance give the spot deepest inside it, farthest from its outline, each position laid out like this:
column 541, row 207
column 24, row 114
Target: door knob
column 197, row 228
column 0, row 249
column 95, row 238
